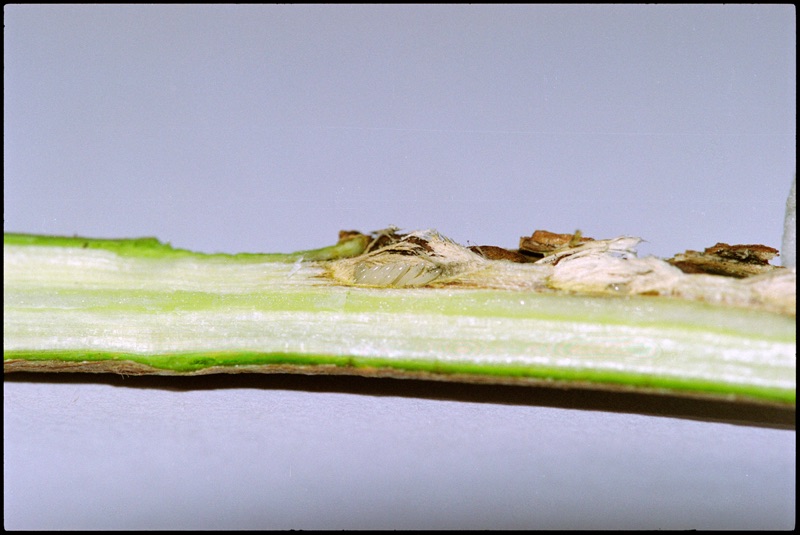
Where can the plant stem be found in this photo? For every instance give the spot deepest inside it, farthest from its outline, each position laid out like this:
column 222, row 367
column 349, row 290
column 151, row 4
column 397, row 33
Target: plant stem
column 140, row 306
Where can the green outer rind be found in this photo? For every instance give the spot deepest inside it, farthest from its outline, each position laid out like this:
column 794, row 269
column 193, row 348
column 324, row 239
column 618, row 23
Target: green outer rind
column 149, row 247
column 187, row 363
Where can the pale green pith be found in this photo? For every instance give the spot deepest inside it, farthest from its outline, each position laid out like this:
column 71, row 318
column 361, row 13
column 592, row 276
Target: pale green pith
column 76, row 300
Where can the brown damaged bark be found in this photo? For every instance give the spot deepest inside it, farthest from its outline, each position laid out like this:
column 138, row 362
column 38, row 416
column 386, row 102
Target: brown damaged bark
column 492, row 252
column 534, row 247
column 737, row 261
column 542, row 242
column 375, row 240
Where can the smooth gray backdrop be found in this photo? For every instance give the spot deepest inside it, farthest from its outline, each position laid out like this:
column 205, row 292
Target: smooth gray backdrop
column 270, row 128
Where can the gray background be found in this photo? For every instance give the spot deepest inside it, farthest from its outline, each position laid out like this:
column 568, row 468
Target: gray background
column 270, row 128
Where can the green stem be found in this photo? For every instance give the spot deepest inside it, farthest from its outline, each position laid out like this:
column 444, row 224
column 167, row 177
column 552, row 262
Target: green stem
column 140, row 306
